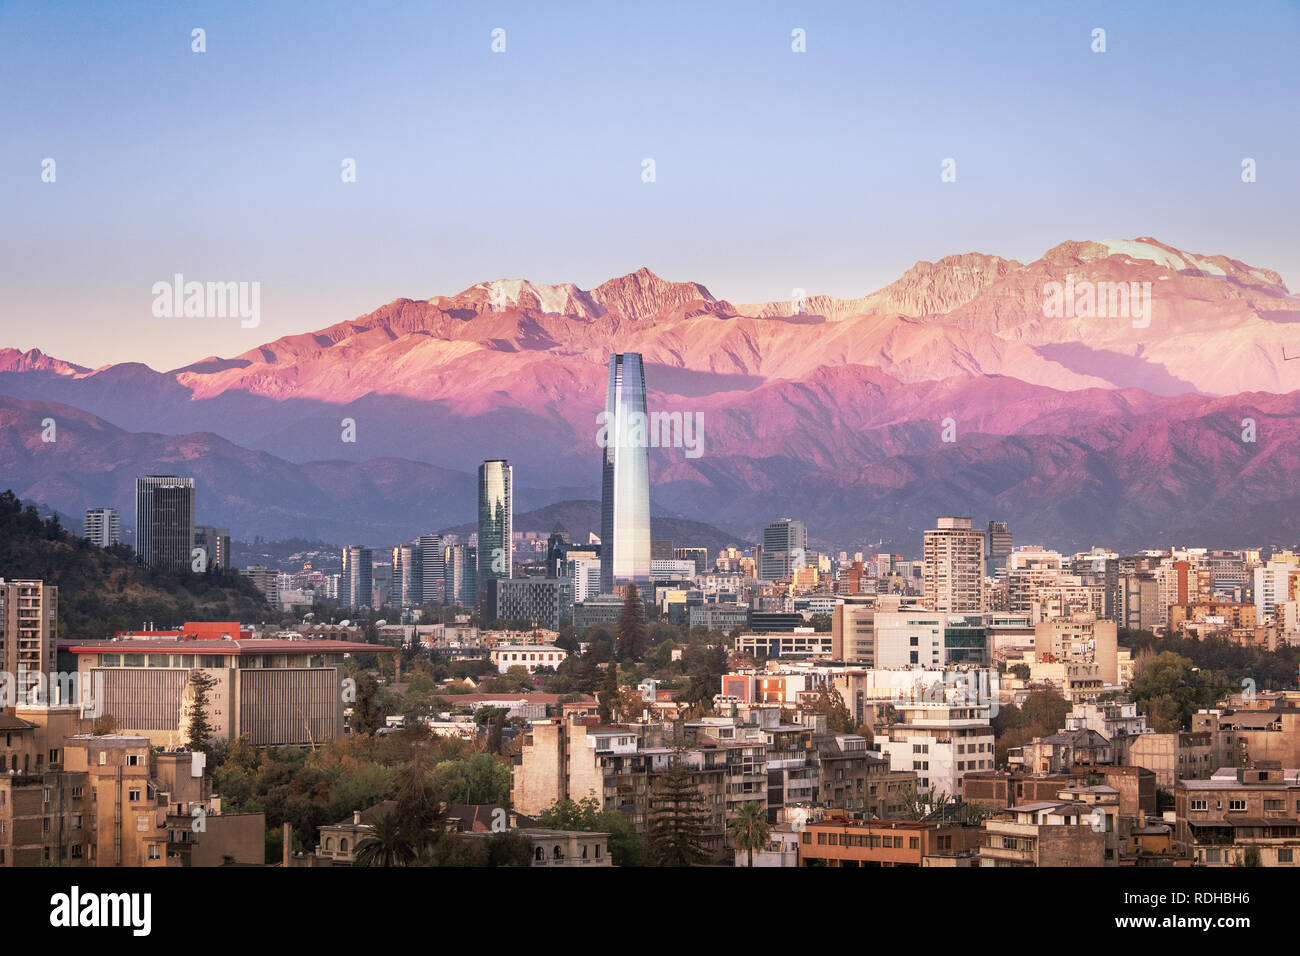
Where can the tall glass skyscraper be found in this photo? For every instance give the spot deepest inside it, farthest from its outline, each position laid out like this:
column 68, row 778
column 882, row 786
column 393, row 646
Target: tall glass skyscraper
column 495, row 523
column 625, row 486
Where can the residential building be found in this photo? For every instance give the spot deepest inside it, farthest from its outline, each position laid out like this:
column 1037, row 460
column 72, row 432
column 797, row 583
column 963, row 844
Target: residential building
column 1241, row 816
column 102, row 527
column 29, row 631
column 952, row 577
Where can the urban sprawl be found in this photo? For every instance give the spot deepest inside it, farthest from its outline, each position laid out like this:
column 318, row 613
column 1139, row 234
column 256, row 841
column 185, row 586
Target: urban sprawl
column 509, row 698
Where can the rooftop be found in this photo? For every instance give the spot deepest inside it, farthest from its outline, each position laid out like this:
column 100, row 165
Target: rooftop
column 227, row 647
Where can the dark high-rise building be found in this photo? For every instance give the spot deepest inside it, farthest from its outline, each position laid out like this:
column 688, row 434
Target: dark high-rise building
column 997, row 548
column 557, row 549
column 785, row 549
column 699, row 555
column 625, row 478
column 356, row 584
column 661, row 551
column 164, row 521
column 495, row 523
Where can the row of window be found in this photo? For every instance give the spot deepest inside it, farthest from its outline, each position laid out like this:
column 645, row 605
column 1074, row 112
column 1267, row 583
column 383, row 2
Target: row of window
column 869, row 840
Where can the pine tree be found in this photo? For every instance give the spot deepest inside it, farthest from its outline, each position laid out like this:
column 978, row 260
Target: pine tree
column 677, row 820
column 200, row 729
column 631, row 627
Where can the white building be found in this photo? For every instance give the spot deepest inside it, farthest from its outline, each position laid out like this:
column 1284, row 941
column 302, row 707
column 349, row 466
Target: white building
column 585, row 573
column 940, row 743
column 531, row 656
column 102, row 527
column 1272, row 585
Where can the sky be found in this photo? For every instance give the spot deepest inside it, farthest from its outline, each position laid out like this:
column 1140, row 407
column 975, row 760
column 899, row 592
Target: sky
column 774, row 170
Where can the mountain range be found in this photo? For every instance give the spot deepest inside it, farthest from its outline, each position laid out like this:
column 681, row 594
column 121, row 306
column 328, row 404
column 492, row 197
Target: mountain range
column 1078, row 428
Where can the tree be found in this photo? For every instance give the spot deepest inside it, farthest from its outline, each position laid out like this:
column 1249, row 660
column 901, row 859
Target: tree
column 481, row 779
column 366, row 714
column 419, row 809
column 608, row 693
column 1169, row 688
column 750, row 830
column 705, row 665
column 510, row 848
column 677, row 819
column 104, row 724
column 626, row 846
column 839, row 719
column 631, row 627
column 388, row 844
column 919, row 805
column 201, row 684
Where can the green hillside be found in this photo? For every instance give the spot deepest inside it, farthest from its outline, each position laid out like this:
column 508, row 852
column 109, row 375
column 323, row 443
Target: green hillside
column 105, row 590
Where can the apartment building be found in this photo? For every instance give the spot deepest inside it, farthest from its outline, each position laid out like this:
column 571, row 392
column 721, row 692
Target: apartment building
column 939, row 742
column 619, row 764
column 1241, row 817
column 1044, row 833
column 855, row 779
column 29, row 630
column 952, row 575
column 1135, row 786
column 1186, row 755
column 1267, row 728
column 1084, row 636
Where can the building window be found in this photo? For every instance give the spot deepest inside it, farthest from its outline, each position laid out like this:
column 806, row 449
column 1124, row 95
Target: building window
column 1284, row 855
column 1236, row 805
column 153, row 852
column 133, row 796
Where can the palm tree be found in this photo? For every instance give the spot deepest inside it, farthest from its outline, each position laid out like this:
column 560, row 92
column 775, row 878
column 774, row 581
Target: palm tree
column 387, row 844
column 749, row 828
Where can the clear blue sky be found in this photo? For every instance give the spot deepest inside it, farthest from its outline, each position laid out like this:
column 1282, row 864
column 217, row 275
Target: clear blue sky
column 775, row 170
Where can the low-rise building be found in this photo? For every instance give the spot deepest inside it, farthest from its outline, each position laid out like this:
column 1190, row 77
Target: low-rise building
column 858, row 843
column 1241, row 817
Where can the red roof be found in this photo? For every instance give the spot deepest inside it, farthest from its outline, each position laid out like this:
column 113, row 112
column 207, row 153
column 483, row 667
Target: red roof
column 231, row 648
